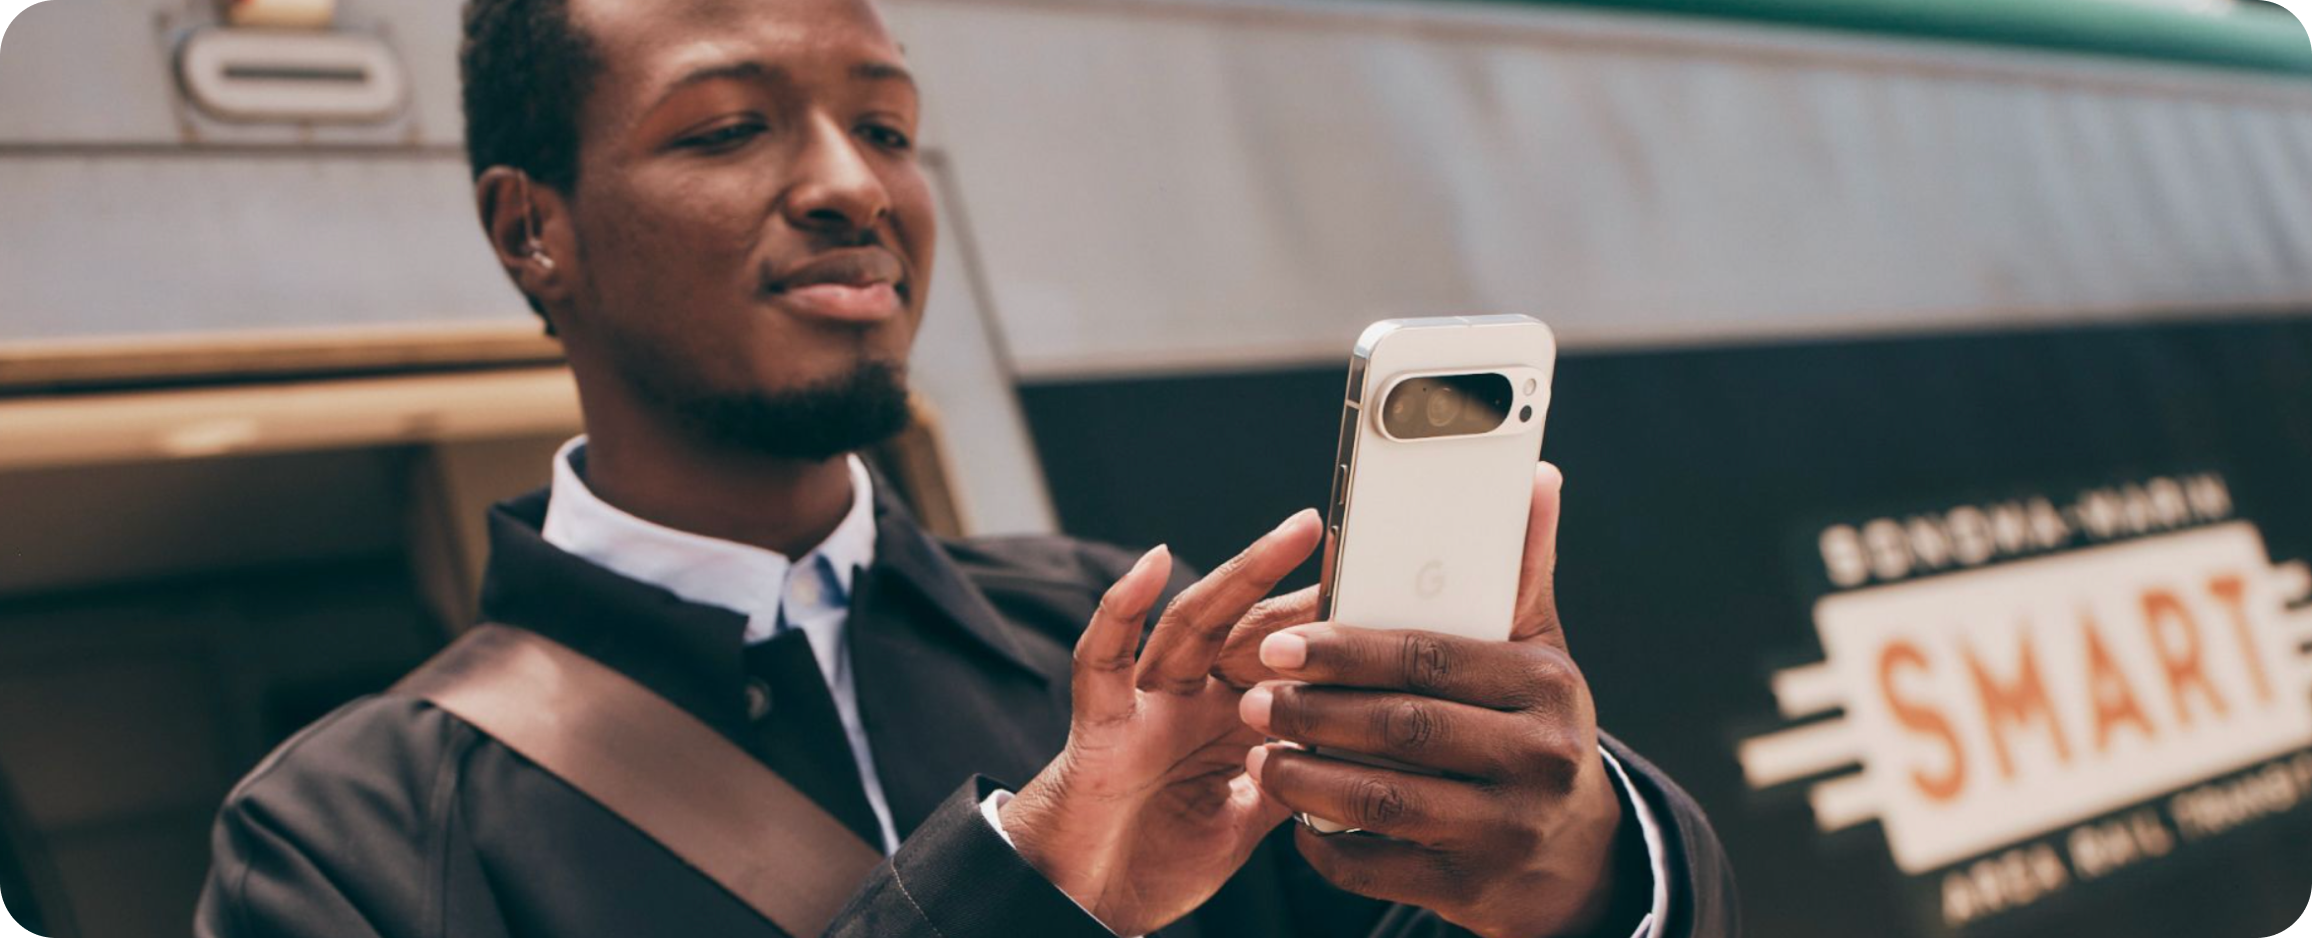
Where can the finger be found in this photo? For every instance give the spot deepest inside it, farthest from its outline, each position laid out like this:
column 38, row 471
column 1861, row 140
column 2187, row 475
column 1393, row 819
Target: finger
column 1424, row 809
column 1103, row 663
column 1537, row 572
column 1495, row 675
column 1188, row 636
column 1255, row 812
column 1423, row 731
column 1389, row 870
column 1239, row 663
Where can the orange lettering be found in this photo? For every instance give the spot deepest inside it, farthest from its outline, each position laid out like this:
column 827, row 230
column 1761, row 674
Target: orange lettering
column 2115, row 702
column 2233, row 593
column 1924, row 720
column 2161, row 612
column 2018, row 702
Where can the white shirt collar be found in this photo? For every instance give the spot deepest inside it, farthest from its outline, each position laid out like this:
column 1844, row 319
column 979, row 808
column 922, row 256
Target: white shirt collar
column 740, row 577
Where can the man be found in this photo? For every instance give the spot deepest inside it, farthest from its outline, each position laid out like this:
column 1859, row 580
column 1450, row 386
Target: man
column 716, row 204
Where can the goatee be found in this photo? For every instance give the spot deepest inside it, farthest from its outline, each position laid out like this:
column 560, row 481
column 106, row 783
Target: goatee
column 816, row 422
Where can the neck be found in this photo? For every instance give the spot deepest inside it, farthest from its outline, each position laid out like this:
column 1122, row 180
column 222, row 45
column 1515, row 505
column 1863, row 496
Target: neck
column 775, row 503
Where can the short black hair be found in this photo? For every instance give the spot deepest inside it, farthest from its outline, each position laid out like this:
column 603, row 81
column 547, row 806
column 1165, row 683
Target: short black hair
column 525, row 69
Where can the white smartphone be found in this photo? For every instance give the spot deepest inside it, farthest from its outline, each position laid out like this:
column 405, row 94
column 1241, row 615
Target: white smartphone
column 1434, row 478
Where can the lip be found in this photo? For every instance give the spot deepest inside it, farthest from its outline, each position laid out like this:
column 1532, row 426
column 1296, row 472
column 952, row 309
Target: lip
column 842, row 302
column 855, row 285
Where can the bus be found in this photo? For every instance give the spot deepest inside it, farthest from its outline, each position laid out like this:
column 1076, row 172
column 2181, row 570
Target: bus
column 1935, row 401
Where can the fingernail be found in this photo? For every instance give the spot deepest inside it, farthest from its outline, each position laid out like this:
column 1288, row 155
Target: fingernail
column 1255, row 706
column 1291, row 521
column 1284, row 650
column 1253, row 761
column 1150, row 557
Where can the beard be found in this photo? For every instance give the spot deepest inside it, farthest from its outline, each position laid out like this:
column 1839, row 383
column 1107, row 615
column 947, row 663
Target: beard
column 815, row 422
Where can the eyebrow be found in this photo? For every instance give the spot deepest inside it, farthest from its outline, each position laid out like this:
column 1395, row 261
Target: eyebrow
column 882, row 71
column 751, row 70
column 748, row 71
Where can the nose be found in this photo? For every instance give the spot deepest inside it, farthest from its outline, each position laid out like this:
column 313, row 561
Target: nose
column 835, row 190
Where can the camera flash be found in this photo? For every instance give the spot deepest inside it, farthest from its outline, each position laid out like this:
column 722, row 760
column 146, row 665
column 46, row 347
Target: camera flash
column 1531, row 386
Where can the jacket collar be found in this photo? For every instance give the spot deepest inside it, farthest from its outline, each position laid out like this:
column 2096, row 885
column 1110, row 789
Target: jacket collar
column 947, row 686
column 910, row 555
column 692, row 653
column 708, row 570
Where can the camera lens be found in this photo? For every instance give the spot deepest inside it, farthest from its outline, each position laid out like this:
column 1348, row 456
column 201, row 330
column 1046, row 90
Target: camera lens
column 1453, row 405
column 1444, row 404
column 1525, row 415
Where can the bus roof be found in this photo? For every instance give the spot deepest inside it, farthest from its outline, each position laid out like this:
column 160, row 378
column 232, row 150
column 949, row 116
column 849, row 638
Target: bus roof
column 2254, row 36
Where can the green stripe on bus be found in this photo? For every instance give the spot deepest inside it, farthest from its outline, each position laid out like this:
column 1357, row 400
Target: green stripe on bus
column 2262, row 38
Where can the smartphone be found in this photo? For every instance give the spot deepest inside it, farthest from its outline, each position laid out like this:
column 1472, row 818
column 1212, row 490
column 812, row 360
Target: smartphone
column 1434, row 478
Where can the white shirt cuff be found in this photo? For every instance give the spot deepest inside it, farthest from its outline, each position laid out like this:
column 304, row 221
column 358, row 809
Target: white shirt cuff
column 1652, row 829
column 991, row 808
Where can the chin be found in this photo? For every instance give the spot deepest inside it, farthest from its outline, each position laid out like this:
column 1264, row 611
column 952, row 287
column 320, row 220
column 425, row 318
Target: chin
column 816, row 417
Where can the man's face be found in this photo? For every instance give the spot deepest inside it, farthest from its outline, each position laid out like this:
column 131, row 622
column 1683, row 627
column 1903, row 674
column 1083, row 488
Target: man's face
column 753, row 228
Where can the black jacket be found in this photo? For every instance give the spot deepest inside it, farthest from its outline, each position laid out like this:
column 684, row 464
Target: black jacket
column 390, row 818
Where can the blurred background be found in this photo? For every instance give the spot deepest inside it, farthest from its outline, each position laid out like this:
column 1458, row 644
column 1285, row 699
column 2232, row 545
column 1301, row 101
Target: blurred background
column 1936, row 401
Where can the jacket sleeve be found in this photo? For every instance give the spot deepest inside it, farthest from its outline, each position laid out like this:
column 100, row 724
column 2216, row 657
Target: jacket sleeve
column 268, row 882
column 330, row 846
column 956, row 878
column 1703, row 900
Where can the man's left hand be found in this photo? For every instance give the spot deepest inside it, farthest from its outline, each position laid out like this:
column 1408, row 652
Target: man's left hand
column 1515, row 837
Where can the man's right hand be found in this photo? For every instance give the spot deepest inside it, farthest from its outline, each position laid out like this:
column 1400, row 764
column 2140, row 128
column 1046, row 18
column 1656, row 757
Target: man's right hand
column 1147, row 811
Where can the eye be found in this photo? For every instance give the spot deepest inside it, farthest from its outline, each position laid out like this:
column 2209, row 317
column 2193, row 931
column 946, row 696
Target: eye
column 724, row 137
column 887, row 137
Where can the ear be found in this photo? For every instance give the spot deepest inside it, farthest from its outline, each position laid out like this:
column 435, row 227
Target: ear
column 528, row 224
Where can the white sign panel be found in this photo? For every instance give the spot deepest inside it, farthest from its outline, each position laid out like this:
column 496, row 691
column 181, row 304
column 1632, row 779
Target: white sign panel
column 1998, row 704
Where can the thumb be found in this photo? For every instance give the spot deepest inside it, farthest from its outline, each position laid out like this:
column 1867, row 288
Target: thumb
column 1537, row 574
column 1256, row 811
column 1239, row 662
